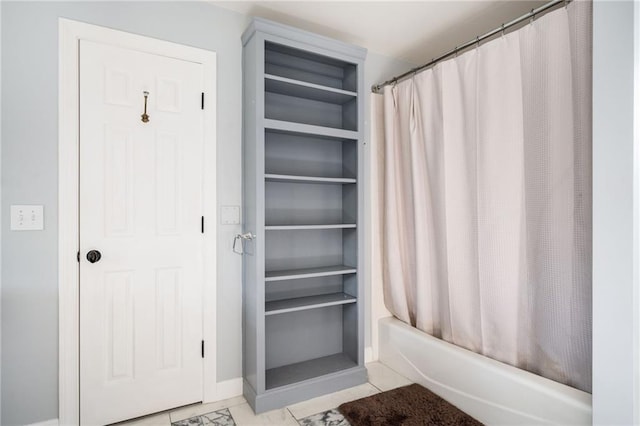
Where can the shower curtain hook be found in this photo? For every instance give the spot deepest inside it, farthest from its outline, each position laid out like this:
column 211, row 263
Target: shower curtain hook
column 455, row 51
column 477, row 42
column 533, row 16
column 502, row 29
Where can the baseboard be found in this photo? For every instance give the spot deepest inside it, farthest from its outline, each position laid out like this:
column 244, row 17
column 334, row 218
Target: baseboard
column 52, row 422
column 307, row 389
column 368, row 355
column 229, row 388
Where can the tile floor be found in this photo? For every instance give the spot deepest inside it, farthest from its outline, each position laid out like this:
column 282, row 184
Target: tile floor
column 319, row 411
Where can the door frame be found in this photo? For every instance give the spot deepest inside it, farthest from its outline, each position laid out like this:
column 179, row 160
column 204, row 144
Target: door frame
column 69, row 35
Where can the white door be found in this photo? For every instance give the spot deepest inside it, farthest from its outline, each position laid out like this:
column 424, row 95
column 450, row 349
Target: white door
column 141, row 200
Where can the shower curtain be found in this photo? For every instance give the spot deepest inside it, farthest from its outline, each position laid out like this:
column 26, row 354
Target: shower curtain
column 484, row 192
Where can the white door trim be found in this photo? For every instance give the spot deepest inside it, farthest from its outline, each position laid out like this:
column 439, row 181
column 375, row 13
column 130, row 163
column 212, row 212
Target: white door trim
column 70, row 34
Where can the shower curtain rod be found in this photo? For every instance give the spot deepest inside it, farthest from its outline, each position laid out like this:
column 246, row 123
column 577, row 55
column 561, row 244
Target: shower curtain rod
column 531, row 15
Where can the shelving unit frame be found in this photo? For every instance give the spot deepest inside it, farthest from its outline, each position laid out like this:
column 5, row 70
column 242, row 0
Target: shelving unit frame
column 303, row 295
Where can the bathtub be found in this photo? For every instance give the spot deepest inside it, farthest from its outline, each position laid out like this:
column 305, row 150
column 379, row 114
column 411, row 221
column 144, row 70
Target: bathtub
column 492, row 392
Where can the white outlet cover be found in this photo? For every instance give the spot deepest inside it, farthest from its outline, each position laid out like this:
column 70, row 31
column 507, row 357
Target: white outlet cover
column 27, row 218
column 230, row 215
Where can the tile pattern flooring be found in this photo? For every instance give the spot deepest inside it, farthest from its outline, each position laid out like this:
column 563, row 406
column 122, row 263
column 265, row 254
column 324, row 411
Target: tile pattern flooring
column 217, row 418
column 320, row 411
column 328, row 418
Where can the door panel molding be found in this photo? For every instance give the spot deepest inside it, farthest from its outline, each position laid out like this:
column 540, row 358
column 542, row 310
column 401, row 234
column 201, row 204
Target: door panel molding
column 70, row 34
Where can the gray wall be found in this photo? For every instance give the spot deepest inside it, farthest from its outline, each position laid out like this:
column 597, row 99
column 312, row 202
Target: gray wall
column 29, row 176
column 616, row 360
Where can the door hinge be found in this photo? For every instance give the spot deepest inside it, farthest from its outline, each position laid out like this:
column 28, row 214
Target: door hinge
column 202, row 101
column 202, row 224
column 202, row 349
column 78, row 256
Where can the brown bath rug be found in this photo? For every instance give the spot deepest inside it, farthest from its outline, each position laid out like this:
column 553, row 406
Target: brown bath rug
column 410, row 405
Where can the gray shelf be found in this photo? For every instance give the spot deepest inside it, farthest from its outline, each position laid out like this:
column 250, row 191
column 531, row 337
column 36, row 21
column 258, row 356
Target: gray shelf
column 303, row 152
column 301, row 371
column 309, row 129
column 303, row 89
column 294, row 274
column 309, row 302
column 309, row 227
column 306, row 179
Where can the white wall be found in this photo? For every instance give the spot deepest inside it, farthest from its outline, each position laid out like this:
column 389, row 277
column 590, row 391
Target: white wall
column 378, row 69
column 616, row 223
column 0, row 218
column 29, row 176
column 636, row 209
column 376, row 143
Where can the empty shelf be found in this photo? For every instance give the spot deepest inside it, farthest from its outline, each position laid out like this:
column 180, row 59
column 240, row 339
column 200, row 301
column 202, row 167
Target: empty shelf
column 294, row 373
column 308, row 227
column 309, row 129
column 305, row 179
column 302, row 89
column 309, row 302
column 294, row 274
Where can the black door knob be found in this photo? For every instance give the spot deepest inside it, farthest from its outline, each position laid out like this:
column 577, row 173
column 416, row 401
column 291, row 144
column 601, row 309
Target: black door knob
column 93, row 256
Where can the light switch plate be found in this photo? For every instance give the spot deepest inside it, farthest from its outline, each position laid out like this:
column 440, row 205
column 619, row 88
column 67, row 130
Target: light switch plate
column 230, row 215
column 27, row 218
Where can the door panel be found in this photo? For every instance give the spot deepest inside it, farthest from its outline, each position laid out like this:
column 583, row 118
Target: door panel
column 141, row 202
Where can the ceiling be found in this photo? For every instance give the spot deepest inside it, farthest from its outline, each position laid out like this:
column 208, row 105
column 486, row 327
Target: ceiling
column 414, row 31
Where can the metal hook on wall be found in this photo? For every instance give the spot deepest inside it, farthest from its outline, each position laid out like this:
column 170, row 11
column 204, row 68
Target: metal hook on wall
column 247, row 236
column 145, row 116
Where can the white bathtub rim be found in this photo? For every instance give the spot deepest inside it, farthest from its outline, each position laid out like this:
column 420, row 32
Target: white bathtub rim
column 561, row 391
column 556, row 394
column 473, row 397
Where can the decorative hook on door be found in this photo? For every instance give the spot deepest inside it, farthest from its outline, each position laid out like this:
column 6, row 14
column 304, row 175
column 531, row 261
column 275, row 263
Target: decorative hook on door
column 145, row 116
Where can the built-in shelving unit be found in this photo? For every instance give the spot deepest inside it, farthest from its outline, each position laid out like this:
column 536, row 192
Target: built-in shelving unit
column 303, row 296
